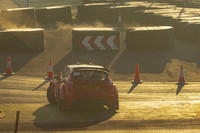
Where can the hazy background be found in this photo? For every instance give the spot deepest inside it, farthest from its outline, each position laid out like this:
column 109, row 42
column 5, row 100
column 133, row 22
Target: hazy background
column 36, row 3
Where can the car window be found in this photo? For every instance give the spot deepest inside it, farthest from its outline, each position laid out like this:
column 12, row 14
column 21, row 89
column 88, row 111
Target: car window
column 89, row 75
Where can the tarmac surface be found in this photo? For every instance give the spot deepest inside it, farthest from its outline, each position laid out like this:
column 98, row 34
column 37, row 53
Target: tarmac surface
column 148, row 107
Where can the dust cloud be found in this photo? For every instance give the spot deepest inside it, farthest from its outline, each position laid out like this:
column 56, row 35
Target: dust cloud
column 97, row 24
column 63, row 33
column 4, row 22
column 5, row 4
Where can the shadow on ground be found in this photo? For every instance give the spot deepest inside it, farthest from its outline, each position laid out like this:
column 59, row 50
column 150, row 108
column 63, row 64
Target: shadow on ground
column 155, row 61
column 155, row 65
column 49, row 118
column 150, row 62
column 134, row 85
column 179, row 88
column 99, row 58
column 18, row 60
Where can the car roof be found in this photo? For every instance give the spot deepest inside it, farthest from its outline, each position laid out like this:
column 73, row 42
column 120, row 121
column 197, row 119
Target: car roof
column 86, row 67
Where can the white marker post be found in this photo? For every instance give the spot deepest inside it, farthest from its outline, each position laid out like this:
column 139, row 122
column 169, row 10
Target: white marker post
column 119, row 21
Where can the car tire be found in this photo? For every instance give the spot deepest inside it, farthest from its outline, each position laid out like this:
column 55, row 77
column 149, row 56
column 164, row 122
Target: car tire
column 61, row 105
column 115, row 106
column 50, row 97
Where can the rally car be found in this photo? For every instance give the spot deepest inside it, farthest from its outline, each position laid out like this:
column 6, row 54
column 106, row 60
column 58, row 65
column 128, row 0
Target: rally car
column 83, row 84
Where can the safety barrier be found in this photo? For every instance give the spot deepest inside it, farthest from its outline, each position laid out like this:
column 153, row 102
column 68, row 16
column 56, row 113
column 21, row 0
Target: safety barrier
column 94, row 12
column 150, row 38
column 19, row 16
column 95, row 39
column 47, row 16
column 22, row 40
column 31, row 17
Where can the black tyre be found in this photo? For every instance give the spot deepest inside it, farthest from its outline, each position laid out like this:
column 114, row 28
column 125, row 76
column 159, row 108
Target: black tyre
column 50, row 97
column 114, row 107
column 61, row 106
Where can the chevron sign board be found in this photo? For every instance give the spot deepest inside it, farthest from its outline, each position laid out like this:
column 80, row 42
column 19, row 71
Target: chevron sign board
column 96, row 39
column 99, row 42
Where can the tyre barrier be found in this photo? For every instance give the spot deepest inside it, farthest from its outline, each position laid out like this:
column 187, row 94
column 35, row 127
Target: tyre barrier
column 48, row 16
column 22, row 40
column 20, row 16
column 95, row 39
column 150, row 38
column 94, row 12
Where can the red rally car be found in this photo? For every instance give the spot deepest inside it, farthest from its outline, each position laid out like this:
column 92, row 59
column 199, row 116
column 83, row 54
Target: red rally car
column 83, row 84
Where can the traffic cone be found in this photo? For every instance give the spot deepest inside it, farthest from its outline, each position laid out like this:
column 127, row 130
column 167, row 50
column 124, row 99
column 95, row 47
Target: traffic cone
column 137, row 75
column 181, row 80
column 50, row 71
column 9, row 71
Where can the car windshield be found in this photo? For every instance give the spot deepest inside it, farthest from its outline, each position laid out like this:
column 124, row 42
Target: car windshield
column 89, row 75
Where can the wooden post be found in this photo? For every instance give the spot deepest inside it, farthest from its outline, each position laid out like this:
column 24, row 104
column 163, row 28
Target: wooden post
column 17, row 121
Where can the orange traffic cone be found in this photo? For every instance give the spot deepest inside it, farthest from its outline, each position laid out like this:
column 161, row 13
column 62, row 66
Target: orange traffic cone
column 181, row 80
column 50, row 71
column 9, row 71
column 137, row 75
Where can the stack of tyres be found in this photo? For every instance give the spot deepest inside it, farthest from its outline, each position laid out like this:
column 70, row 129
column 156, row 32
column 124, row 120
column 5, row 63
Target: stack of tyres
column 95, row 39
column 19, row 16
column 150, row 38
column 49, row 16
column 22, row 40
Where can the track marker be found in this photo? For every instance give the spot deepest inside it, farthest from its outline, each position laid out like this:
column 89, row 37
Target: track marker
column 9, row 71
column 137, row 76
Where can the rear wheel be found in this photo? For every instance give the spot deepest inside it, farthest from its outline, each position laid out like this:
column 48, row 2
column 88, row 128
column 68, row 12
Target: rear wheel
column 115, row 106
column 61, row 105
column 50, row 97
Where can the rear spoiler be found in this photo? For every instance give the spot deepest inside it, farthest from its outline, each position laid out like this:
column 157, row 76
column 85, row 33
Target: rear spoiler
column 90, row 68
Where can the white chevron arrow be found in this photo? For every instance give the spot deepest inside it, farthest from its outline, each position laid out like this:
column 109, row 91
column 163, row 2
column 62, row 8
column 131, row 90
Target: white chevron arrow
column 110, row 42
column 86, row 42
column 99, row 43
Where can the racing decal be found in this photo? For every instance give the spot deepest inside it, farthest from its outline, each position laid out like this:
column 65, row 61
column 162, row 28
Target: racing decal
column 100, row 42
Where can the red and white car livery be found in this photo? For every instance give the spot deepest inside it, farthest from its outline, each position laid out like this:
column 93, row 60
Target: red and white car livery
column 83, row 84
